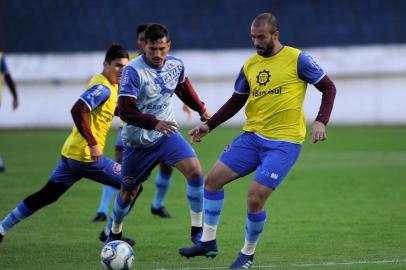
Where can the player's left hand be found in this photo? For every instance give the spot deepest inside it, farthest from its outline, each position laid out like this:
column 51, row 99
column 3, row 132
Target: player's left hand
column 188, row 112
column 205, row 116
column 318, row 132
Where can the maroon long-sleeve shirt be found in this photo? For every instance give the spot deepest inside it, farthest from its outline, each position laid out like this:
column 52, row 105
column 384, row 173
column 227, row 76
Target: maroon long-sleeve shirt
column 237, row 101
column 130, row 114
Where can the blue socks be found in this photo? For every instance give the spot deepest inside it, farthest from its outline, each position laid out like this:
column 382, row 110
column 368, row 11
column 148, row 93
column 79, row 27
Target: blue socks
column 162, row 183
column 19, row 213
column 213, row 204
column 120, row 210
column 194, row 193
column 107, row 196
column 254, row 225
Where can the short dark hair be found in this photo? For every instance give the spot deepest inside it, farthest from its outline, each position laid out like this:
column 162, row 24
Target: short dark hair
column 141, row 28
column 115, row 51
column 156, row 31
column 269, row 19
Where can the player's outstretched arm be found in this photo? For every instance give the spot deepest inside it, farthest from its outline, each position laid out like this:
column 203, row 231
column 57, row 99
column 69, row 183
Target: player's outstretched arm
column 318, row 132
column 197, row 133
column 189, row 97
column 205, row 116
column 328, row 90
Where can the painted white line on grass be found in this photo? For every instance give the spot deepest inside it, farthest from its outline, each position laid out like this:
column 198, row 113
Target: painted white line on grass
column 301, row 265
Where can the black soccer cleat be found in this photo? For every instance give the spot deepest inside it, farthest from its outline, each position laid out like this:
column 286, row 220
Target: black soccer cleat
column 1, row 237
column 206, row 249
column 108, row 238
column 100, row 217
column 196, row 234
column 161, row 212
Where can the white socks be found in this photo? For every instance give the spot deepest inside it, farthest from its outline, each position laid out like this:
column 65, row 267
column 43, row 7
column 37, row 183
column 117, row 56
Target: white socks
column 197, row 218
column 249, row 248
column 209, row 233
column 116, row 228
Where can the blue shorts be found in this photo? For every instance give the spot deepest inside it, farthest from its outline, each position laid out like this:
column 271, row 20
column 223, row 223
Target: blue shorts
column 271, row 160
column 139, row 162
column 119, row 141
column 105, row 171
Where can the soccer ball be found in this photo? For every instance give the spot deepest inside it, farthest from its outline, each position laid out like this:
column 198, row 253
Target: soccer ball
column 117, row 255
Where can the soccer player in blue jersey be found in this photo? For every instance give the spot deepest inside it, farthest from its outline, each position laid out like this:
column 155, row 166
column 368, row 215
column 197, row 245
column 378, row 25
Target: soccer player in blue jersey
column 150, row 132
column 163, row 179
column 5, row 72
column 272, row 83
column 82, row 153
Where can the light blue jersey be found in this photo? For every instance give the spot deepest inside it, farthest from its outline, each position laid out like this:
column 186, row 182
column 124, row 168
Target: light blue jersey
column 153, row 89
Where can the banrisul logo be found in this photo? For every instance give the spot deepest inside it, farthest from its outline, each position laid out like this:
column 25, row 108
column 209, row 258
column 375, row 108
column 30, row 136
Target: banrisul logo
column 263, row 77
column 260, row 93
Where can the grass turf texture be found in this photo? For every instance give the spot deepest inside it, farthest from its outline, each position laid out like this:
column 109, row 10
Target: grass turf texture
column 343, row 202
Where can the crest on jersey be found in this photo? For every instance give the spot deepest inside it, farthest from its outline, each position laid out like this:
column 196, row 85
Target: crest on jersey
column 263, row 77
column 117, row 168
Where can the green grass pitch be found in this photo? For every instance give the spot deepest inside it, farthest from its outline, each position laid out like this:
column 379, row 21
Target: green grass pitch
column 343, row 206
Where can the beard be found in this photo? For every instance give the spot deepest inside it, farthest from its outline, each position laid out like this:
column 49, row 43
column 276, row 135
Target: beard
column 266, row 51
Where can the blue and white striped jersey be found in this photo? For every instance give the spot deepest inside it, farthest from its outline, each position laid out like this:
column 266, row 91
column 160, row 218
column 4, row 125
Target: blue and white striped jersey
column 153, row 89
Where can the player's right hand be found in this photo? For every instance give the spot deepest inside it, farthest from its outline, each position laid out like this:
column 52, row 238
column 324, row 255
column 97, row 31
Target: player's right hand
column 197, row 133
column 166, row 127
column 95, row 152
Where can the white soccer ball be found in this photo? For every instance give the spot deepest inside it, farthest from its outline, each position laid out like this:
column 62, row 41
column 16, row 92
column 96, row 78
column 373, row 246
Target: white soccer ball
column 117, row 255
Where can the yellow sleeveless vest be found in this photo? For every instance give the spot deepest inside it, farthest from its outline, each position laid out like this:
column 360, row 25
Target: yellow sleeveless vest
column 101, row 118
column 274, row 109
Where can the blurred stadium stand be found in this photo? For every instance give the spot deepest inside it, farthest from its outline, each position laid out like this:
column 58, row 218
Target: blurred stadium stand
column 54, row 46
column 89, row 25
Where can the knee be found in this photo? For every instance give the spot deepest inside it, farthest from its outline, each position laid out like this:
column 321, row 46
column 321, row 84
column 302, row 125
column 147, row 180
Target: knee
column 166, row 169
column 130, row 189
column 255, row 202
column 211, row 184
column 194, row 171
column 129, row 183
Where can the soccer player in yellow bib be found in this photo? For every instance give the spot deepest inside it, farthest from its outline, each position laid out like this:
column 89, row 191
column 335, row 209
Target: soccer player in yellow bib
column 5, row 72
column 82, row 153
column 273, row 84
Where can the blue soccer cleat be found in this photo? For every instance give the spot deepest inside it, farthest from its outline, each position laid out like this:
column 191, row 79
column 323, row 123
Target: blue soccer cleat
column 243, row 261
column 207, row 249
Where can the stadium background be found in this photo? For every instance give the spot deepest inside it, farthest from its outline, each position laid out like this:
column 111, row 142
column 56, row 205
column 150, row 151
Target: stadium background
column 54, row 47
column 342, row 206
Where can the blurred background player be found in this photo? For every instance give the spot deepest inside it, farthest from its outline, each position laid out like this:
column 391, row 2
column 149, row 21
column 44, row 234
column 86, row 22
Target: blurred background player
column 82, row 153
column 163, row 179
column 5, row 72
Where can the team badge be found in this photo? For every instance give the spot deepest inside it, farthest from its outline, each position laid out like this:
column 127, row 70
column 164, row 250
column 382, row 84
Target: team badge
column 117, row 168
column 263, row 77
